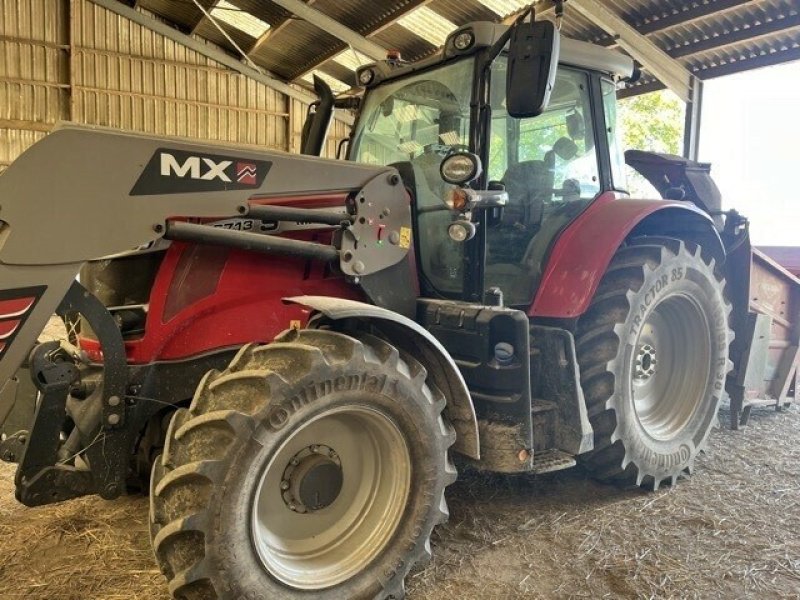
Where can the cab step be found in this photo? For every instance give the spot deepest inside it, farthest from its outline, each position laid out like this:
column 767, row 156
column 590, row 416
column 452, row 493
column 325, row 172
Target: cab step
column 545, row 461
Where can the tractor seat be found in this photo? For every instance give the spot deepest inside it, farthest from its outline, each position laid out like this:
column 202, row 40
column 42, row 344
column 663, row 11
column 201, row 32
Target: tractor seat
column 529, row 185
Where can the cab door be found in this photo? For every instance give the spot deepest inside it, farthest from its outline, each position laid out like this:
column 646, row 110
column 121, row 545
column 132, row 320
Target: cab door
column 550, row 166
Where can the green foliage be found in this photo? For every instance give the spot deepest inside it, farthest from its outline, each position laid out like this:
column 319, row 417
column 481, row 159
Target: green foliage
column 653, row 122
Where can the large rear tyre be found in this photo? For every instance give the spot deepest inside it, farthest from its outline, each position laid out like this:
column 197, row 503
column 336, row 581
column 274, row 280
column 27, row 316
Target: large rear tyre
column 653, row 353
column 313, row 467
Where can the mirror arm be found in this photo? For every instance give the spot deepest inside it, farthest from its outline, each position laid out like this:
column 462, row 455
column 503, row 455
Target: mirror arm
column 485, row 199
column 496, row 48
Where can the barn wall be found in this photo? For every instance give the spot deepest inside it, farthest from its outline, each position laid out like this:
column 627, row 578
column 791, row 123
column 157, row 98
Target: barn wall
column 73, row 60
column 34, row 72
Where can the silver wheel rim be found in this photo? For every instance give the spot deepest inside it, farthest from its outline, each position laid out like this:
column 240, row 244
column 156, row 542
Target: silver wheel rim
column 315, row 546
column 671, row 365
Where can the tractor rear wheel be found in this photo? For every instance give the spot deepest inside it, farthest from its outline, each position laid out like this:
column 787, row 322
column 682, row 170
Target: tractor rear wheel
column 313, row 467
column 653, row 353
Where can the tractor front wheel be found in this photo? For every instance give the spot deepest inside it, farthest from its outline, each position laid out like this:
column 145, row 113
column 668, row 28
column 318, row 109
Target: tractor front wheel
column 313, row 467
column 653, row 353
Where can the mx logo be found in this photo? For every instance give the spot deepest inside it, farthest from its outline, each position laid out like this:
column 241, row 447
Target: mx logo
column 172, row 171
column 194, row 167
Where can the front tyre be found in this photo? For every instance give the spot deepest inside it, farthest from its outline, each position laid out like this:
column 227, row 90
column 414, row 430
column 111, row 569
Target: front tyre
column 653, row 353
column 313, row 467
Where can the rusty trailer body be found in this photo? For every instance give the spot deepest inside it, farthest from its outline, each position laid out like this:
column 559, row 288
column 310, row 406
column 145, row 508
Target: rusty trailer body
column 767, row 336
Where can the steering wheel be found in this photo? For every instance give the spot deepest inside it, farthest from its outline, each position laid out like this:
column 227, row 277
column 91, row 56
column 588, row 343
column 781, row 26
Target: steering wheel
column 457, row 148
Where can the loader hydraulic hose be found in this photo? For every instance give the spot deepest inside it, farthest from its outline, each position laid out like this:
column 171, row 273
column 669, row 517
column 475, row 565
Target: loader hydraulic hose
column 180, row 231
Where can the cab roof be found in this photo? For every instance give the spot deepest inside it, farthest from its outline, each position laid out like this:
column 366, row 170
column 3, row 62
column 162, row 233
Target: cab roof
column 573, row 53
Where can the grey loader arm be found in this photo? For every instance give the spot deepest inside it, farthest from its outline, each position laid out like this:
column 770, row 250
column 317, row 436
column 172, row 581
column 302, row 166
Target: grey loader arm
column 411, row 337
column 85, row 193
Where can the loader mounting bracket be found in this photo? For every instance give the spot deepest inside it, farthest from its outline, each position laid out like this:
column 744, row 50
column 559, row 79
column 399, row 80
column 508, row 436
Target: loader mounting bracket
column 43, row 477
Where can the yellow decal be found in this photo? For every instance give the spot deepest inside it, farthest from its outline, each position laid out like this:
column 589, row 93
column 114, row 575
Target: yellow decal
column 405, row 237
column 294, row 324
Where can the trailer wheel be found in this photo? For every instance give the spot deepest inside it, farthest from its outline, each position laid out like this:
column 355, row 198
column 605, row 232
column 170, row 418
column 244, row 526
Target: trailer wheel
column 313, row 467
column 653, row 354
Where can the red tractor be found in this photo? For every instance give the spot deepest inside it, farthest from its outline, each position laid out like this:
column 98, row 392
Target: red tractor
column 296, row 348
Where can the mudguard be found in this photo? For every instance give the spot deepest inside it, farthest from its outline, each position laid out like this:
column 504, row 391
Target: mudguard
column 582, row 252
column 417, row 340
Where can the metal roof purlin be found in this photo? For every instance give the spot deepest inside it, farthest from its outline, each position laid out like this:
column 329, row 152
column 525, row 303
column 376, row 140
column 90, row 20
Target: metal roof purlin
column 334, row 27
column 689, row 13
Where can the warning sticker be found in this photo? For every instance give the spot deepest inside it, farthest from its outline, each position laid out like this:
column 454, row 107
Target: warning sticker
column 405, row 237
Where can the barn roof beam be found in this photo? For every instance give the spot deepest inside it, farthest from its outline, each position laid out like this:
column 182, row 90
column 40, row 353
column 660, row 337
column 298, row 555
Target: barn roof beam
column 671, row 72
column 262, row 39
column 323, row 58
column 208, row 51
column 332, row 26
column 203, row 16
column 542, row 7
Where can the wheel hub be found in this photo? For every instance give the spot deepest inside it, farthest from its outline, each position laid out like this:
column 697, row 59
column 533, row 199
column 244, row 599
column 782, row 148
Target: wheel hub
column 312, row 480
column 670, row 364
column 646, row 362
column 316, row 522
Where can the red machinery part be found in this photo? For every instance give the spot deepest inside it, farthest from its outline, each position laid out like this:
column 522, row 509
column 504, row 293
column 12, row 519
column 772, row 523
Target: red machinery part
column 199, row 306
column 583, row 252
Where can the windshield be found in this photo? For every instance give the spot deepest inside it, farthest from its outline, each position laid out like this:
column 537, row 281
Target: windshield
column 418, row 120
column 424, row 113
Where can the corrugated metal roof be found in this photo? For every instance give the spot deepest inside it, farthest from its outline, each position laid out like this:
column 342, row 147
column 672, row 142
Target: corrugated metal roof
column 710, row 37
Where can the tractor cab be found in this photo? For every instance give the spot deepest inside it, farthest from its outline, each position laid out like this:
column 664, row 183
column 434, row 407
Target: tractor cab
column 447, row 125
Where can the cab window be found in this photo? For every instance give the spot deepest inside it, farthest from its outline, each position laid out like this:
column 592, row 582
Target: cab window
column 614, row 133
column 418, row 120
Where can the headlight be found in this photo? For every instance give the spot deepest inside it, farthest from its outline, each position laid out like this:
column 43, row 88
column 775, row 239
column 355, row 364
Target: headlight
column 460, row 168
column 461, row 231
column 464, row 40
column 366, row 76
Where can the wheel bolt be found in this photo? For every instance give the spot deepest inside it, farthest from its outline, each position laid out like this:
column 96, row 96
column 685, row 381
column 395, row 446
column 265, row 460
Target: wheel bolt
column 292, row 507
column 315, row 449
column 284, row 485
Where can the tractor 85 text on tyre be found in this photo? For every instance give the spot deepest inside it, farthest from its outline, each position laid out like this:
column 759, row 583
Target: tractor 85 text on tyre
column 288, row 351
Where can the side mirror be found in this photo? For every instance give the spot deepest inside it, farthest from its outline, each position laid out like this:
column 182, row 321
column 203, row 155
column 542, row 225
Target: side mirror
column 533, row 53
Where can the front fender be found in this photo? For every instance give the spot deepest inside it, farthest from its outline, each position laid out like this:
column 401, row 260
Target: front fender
column 417, row 341
column 583, row 251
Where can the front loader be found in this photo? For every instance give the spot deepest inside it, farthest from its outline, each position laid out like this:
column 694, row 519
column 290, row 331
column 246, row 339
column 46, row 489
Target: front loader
column 290, row 351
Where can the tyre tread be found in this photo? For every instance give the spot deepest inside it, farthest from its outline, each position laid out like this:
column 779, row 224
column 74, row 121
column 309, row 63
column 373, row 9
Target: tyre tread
column 223, row 407
column 597, row 344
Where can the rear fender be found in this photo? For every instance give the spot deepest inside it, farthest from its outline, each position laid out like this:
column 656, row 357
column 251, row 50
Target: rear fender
column 582, row 253
column 416, row 340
